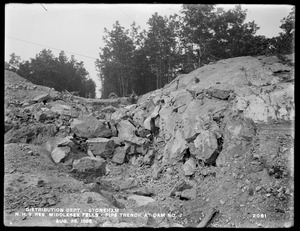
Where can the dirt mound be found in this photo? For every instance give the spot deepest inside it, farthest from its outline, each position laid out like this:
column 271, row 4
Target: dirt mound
column 18, row 89
column 14, row 79
column 213, row 148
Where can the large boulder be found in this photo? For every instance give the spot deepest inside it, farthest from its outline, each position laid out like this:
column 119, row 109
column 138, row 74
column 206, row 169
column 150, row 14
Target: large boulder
column 174, row 149
column 90, row 127
column 119, row 155
column 189, row 167
column 154, row 114
column 59, row 153
column 167, row 121
column 41, row 97
column 191, row 119
column 89, row 168
column 126, row 131
column 205, row 144
column 101, row 147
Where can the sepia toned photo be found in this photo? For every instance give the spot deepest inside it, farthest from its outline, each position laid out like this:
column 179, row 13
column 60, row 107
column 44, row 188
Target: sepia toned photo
column 149, row 115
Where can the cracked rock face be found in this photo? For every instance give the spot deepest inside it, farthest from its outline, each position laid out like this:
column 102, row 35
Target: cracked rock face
column 255, row 88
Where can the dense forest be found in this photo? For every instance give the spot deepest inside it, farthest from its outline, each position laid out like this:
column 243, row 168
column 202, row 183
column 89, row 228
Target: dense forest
column 144, row 60
column 59, row 72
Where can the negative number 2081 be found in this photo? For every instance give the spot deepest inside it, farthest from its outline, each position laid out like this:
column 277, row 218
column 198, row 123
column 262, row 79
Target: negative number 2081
column 258, row 215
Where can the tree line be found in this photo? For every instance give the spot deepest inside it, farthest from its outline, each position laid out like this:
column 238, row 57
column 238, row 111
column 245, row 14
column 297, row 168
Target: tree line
column 135, row 60
column 59, row 72
column 139, row 61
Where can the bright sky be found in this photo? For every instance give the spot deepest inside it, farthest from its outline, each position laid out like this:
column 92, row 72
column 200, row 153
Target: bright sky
column 78, row 28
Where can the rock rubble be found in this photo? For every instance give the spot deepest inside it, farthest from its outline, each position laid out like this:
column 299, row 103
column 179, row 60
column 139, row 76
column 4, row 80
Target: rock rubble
column 196, row 126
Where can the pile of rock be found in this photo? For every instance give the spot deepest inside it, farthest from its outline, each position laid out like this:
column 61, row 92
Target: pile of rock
column 36, row 113
column 202, row 119
column 109, row 139
column 193, row 120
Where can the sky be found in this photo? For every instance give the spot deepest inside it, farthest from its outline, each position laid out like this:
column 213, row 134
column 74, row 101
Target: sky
column 77, row 29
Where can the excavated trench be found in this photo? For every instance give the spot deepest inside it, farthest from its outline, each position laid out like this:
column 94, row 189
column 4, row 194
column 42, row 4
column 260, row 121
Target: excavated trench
column 242, row 178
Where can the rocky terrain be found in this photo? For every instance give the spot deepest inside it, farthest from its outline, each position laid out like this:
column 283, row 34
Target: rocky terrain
column 213, row 148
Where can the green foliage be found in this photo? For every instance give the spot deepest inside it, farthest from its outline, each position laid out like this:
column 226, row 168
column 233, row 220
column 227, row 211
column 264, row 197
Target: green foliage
column 57, row 72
